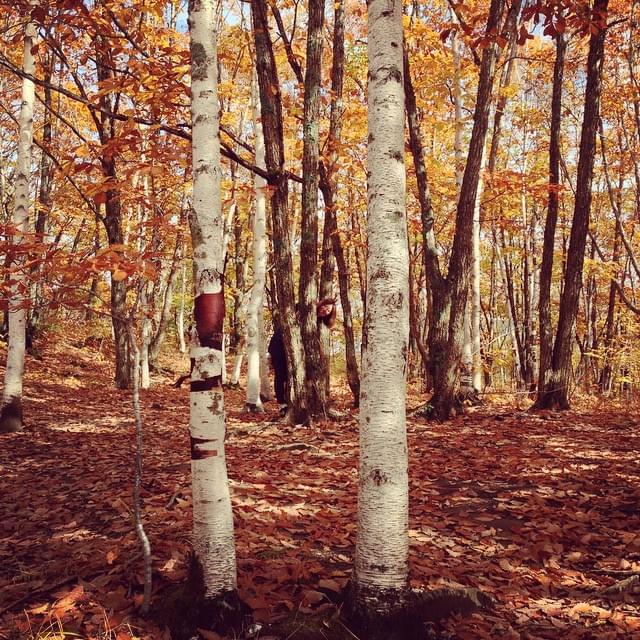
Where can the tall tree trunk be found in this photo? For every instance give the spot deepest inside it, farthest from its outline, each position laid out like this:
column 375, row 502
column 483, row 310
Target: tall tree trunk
column 358, row 244
column 157, row 339
column 476, row 301
column 327, row 270
column 182, row 347
column 546, row 266
column 380, row 582
column 436, row 285
column 308, row 291
column 460, row 263
column 11, row 413
column 555, row 393
column 106, row 126
column 44, row 199
column 213, row 537
column 328, row 186
column 255, row 329
column 606, row 375
column 271, row 109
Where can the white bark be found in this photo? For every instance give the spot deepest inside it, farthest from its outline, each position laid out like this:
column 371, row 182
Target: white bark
column 213, row 538
column 255, row 330
column 223, row 359
column 182, row 347
column 382, row 544
column 476, row 309
column 237, row 364
column 19, row 289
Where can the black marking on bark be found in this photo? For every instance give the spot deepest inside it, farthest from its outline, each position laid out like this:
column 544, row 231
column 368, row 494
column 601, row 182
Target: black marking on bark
column 217, row 405
column 198, row 453
column 384, row 74
column 206, row 385
column 378, row 477
column 371, row 138
column 198, row 62
column 380, row 274
column 396, row 155
column 196, row 231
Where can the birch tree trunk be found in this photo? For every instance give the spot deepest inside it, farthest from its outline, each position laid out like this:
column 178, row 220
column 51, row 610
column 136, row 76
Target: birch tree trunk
column 182, row 347
column 476, row 304
column 11, row 414
column 255, row 329
column 213, row 537
column 380, row 582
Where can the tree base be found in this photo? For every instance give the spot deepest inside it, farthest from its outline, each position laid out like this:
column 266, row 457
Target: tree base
column 551, row 401
column 11, row 416
column 184, row 609
column 254, row 408
column 419, row 618
column 468, row 396
column 382, row 615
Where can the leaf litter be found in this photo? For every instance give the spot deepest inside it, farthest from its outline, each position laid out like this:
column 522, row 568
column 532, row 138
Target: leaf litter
column 539, row 511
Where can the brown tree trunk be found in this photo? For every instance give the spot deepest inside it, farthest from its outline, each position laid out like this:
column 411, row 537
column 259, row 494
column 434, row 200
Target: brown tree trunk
column 315, row 373
column 271, row 109
column 106, row 127
column 605, row 381
column 555, row 393
column 458, row 276
column 328, row 186
column 358, row 244
column 436, row 284
column 546, row 267
column 44, row 201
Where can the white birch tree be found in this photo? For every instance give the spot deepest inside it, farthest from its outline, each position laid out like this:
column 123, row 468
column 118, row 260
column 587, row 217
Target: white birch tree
column 213, row 537
column 182, row 347
column 11, row 415
column 380, row 582
column 259, row 229
column 476, row 308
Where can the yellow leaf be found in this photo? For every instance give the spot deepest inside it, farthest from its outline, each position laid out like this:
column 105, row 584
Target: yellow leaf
column 119, row 275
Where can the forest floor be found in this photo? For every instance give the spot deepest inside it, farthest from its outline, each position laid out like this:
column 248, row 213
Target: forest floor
column 541, row 511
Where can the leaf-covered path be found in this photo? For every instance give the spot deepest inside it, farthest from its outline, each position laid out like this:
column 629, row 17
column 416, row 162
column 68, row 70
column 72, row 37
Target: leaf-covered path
column 540, row 511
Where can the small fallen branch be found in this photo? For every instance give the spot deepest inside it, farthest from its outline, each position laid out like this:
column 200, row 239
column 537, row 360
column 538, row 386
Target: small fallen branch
column 621, row 586
column 298, row 446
